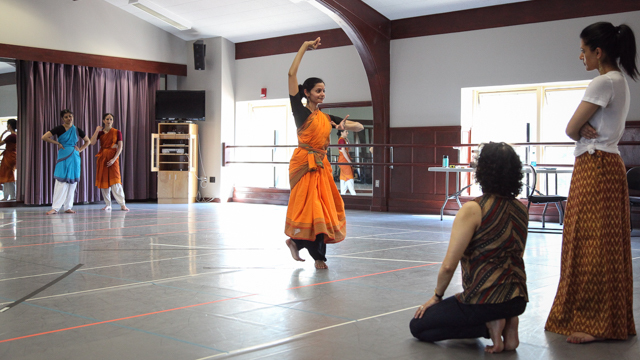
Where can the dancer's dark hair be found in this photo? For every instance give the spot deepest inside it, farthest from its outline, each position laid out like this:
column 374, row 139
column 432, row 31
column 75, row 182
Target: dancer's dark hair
column 13, row 123
column 617, row 42
column 106, row 114
column 65, row 112
column 308, row 85
column 499, row 170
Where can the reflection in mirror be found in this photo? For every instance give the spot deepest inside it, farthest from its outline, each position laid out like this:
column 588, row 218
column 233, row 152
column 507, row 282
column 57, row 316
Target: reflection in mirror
column 362, row 175
column 8, row 137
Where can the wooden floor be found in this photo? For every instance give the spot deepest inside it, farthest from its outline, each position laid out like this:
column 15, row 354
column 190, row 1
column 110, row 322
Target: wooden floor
column 209, row 281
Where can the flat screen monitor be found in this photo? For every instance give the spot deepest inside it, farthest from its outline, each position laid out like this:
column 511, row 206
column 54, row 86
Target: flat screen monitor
column 180, row 105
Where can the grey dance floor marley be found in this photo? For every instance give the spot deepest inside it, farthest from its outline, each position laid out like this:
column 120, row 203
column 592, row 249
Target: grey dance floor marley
column 209, row 281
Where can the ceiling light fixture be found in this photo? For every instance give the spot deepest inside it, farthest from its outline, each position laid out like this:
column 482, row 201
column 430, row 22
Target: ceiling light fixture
column 161, row 14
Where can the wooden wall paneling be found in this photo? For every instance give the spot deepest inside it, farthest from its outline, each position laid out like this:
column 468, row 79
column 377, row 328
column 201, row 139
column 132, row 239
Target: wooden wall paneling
column 519, row 13
column 630, row 154
column 82, row 59
column 422, row 179
column 370, row 33
column 400, row 176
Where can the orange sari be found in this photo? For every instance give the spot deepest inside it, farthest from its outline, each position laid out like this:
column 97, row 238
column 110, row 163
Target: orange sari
column 8, row 165
column 346, row 172
column 107, row 175
column 315, row 205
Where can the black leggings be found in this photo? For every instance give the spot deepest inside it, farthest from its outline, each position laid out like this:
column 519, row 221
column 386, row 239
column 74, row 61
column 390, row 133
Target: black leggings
column 450, row 319
column 317, row 249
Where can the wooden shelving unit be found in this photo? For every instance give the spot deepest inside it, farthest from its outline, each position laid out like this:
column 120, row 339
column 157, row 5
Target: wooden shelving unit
column 174, row 155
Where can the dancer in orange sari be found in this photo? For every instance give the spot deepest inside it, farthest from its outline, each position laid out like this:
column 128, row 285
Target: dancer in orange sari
column 8, row 166
column 315, row 215
column 108, row 163
column 346, row 171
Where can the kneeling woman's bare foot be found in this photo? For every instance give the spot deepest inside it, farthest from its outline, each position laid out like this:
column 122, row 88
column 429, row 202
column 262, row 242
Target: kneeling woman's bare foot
column 510, row 334
column 107, row 208
column 70, row 211
column 294, row 250
column 495, row 331
column 321, row 265
column 52, row 211
column 582, row 338
column 124, row 208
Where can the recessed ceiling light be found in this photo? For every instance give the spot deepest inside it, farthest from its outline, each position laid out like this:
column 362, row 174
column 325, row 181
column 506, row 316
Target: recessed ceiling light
column 161, row 13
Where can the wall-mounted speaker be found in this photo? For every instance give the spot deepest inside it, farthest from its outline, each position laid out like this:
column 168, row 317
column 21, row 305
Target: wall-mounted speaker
column 199, row 50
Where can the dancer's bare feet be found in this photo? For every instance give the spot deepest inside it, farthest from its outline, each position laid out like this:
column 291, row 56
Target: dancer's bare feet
column 107, row 208
column 124, row 208
column 582, row 338
column 294, row 250
column 495, row 331
column 510, row 334
column 321, row 265
column 70, row 211
column 52, row 211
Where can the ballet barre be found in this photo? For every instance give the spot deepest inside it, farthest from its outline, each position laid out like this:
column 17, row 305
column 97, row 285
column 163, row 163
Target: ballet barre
column 456, row 195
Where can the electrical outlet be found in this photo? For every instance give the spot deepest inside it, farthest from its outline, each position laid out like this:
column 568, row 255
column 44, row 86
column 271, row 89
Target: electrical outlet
column 377, row 183
column 213, row 179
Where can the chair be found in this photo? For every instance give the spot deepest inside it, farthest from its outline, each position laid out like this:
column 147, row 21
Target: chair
column 633, row 181
column 541, row 198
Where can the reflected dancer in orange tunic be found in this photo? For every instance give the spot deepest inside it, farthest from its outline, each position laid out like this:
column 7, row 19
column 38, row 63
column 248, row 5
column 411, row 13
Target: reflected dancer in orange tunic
column 315, row 215
column 108, row 163
column 346, row 171
column 8, row 166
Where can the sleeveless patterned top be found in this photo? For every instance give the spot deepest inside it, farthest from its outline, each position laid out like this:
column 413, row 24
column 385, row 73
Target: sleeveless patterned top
column 492, row 265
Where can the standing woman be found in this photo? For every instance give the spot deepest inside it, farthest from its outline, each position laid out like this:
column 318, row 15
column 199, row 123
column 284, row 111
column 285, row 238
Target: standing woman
column 346, row 171
column 595, row 295
column 315, row 215
column 67, row 171
column 108, row 163
column 8, row 166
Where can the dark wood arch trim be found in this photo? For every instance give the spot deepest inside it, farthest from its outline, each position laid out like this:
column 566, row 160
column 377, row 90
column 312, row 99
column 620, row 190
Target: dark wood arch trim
column 370, row 33
column 82, row 59
column 290, row 44
column 519, row 13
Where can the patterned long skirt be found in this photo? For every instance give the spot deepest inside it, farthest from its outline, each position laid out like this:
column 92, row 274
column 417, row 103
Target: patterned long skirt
column 595, row 294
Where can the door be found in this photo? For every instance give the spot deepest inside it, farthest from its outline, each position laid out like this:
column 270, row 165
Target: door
column 165, row 184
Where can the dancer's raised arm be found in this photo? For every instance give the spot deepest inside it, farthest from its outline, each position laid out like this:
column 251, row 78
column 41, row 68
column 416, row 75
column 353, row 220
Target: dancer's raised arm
column 293, row 71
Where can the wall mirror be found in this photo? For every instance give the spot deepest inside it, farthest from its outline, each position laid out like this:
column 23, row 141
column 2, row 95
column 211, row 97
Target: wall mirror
column 8, row 110
column 361, row 112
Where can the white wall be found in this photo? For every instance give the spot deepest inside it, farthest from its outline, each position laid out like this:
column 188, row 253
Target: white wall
column 427, row 73
column 8, row 101
column 340, row 68
column 218, row 81
column 87, row 26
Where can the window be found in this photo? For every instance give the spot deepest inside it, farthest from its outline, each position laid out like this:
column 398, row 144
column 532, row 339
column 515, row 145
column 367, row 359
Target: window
column 516, row 113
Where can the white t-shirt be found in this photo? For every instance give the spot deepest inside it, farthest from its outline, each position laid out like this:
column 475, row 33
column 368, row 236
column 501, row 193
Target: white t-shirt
column 611, row 92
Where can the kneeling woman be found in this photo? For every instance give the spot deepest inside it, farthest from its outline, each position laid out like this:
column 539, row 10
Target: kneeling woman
column 488, row 239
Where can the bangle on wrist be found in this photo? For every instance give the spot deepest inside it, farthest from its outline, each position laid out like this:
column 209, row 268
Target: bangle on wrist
column 435, row 293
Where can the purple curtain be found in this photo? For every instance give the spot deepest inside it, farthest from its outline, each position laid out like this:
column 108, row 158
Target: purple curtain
column 45, row 89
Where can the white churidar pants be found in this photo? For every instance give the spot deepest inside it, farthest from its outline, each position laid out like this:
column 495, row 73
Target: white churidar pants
column 9, row 190
column 118, row 193
column 63, row 194
column 347, row 184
